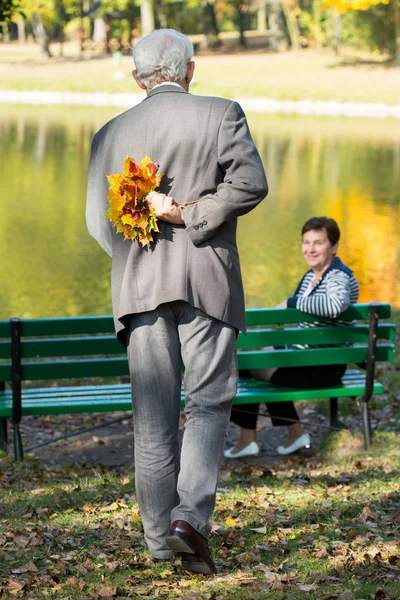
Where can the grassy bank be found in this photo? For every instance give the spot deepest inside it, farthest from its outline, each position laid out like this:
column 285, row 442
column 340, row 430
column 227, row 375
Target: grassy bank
column 324, row 527
column 306, row 75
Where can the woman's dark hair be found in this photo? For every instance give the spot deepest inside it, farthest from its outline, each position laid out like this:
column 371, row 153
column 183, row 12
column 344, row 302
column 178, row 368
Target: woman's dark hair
column 330, row 225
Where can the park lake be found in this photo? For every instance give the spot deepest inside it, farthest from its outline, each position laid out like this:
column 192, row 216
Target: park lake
column 345, row 168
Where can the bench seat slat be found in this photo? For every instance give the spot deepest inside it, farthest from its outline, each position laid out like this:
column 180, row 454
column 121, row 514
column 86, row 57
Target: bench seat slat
column 104, row 398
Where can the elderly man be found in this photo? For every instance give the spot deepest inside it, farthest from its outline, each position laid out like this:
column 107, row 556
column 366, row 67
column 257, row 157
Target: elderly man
column 179, row 302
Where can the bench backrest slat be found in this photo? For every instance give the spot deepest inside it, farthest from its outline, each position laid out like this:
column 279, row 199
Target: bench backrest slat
column 276, row 316
column 319, row 335
column 72, row 346
column 253, row 359
column 248, row 359
column 104, row 323
column 75, row 369
column 67, row 326
column 75, row 347
column 108, row 344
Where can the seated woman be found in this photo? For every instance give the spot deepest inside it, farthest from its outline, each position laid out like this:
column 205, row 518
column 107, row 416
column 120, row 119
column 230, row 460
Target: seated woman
column 326, row 290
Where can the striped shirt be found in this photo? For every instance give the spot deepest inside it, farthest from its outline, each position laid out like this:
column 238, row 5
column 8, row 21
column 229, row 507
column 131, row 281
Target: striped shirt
column 330, row 297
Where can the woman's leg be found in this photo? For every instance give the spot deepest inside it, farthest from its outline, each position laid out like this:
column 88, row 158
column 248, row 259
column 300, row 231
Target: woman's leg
column 246, row 415
column 281, row 413
column 285, row 413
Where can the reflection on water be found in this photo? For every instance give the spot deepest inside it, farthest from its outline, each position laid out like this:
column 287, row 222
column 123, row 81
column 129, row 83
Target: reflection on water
column 347, row 169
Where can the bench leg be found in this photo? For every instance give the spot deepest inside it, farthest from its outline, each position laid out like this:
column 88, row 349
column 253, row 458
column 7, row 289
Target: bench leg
column 334, row 414
column 334, row 411
column 366, row 424
column 18, row 449
column 3, row 434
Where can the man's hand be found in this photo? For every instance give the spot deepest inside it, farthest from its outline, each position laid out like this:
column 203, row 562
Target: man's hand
column 165, row 208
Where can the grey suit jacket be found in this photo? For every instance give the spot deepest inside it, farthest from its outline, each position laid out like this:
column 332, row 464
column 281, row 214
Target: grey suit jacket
column 204, row 150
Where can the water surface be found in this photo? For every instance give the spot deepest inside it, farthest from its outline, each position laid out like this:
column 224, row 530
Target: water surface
column 348, row 169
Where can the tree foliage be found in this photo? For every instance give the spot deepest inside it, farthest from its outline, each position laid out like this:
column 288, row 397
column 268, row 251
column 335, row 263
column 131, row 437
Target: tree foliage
column 369, row 24
column 9, row 8
column 343, row 6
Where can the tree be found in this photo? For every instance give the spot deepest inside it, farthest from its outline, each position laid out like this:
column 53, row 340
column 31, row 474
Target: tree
column 48, row 19
column 341, row 6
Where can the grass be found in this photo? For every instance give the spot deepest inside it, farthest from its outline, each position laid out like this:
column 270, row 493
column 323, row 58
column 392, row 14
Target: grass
column 310, row 74
column 319, row 528
column 324, row 527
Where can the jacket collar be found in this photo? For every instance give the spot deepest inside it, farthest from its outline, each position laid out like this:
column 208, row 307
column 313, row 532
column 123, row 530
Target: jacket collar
column 163, row 89
column 338, row 265
column 335, row 265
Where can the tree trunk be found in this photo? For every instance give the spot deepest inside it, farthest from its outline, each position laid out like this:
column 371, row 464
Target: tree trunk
column 21, row 32
column 262, row 15
column 242, row 24
column 337, row 30
column 210, row 25
column 278, row 40
column 396, row 9
column 147, row 16
column 42, row 37
column 6, row 32
column 292, row 26
column 317, row 23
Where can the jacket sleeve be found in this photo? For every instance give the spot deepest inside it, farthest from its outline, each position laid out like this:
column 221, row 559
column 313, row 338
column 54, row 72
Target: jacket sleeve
column 244, row 184
column 330, row 304
column 98, row 225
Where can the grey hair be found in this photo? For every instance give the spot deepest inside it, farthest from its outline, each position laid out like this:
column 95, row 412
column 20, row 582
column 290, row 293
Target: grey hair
column 162, row 55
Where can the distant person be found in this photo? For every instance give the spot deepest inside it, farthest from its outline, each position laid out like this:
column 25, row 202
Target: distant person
column 180, row 301
column 326, row 290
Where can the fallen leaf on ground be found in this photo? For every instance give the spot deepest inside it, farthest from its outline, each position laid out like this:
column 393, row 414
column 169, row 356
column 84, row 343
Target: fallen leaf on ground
column 15, row 586
column 110, row 507
column 106, row 591
column 259, row 529
column 30, row 567
column 230, row 522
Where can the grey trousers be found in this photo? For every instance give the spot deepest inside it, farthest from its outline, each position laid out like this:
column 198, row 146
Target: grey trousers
column 170, row 486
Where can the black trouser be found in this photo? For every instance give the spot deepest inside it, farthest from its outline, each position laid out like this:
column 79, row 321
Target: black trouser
column 285, row 413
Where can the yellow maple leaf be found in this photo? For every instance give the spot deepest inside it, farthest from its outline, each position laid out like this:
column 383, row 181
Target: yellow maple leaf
column 127, row 219
column 145, row 238
column 135, row 518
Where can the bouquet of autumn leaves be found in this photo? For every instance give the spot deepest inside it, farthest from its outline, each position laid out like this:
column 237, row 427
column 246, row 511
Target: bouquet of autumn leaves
column 128, row 209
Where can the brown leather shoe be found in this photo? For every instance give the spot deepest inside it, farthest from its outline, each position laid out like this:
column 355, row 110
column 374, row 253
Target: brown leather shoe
column 193, row 548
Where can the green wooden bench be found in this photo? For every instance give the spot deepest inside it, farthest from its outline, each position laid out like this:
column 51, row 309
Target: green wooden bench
column 78, row 348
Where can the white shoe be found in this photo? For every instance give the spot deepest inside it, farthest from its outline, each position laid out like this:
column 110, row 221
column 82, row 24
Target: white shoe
column 251, row 450
column 304, row 441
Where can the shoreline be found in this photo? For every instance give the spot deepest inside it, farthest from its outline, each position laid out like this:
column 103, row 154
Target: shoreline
column 250, row 105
